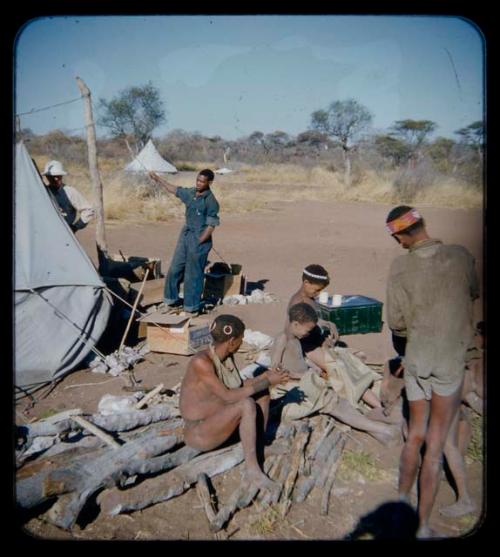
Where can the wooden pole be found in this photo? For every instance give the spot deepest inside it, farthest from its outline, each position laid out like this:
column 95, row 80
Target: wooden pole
column 94, row 170
column 133, row 310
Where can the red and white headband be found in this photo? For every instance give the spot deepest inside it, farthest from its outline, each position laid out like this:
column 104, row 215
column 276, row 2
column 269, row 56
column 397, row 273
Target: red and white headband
column 403, row 222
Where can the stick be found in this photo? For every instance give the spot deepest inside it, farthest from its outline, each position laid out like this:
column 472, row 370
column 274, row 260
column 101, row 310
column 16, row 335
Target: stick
column 149, row 396
column 297, row 456
column 331, row 475
column 133, row 310
column 205, row 497
column 62, row 416
column 96, row 431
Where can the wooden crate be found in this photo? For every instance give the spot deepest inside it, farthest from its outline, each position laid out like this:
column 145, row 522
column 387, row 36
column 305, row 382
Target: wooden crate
column 177, row 334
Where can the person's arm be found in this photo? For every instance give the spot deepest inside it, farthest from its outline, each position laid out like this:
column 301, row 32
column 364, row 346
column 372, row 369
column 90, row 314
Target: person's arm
column 395, row 305
column 206, row 234
column 272, row 376
column 334, row 332
column 162, row 182
column 212, row 219
column 205, row 372
column 85, row 210
column 278, row 350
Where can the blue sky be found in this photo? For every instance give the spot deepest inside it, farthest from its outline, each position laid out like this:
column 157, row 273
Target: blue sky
column 232, row 75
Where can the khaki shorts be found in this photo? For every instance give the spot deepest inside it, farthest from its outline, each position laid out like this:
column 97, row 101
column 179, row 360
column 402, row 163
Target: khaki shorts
column 439, row 382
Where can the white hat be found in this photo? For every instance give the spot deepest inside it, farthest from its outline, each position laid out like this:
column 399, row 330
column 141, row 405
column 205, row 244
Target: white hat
column 54, row 168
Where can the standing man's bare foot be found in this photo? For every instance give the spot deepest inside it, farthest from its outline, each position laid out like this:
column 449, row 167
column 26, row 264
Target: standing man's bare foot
column 460, row 508
column 426, row 533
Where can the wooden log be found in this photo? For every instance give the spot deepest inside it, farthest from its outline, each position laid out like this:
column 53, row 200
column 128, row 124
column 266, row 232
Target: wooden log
column 171, row 484
column 205, row 498
column 328, row 462
column 306, row 483
column 86, row 475
column 339, row 447
column 297, row 456
column 96, row 431
column 245, row 493
column 125, row 421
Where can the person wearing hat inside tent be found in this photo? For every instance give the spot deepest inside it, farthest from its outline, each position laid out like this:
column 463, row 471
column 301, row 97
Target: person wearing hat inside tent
column 75, row 209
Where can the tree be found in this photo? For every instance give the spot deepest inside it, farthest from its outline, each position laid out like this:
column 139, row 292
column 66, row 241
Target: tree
column 343, row 120
column 136, row 111
column 392, row 148
column 414, row 132
column 440, row 151
column 473, row 135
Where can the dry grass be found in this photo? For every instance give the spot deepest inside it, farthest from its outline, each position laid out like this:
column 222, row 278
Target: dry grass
column 252, row 188
column 266, row 521
column 475, row 450
column 359, row 463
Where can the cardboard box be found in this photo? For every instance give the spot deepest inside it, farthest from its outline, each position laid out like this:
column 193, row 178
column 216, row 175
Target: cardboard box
column 177, row 334
column 221, row 283
column 139, row 271
column 152, row 293
column 356, row 315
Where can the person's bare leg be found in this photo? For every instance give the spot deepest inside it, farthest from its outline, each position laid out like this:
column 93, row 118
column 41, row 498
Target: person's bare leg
column 442, row 412
column 263, row 402
column 456, row 462
column 317, row 356
column 248, row 436
column 218, row 427
column 345, row 412
column 371, row 399
column 464, row 434
column 410, row 455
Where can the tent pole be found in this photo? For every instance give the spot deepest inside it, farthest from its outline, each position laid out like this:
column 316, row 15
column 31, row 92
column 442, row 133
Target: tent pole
column 94, row 170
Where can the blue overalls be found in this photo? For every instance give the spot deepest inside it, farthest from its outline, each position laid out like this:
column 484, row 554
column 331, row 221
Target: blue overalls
column 190, row 257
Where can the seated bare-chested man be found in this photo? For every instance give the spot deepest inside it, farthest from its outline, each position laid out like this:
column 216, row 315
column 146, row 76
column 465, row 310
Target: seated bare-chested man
column 215, row 401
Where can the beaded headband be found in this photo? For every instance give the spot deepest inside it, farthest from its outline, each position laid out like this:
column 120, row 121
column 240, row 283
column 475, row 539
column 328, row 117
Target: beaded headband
column 403, row 222
column 312, row 275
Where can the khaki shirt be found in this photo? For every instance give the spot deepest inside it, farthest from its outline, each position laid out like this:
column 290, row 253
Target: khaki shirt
column 429, row 300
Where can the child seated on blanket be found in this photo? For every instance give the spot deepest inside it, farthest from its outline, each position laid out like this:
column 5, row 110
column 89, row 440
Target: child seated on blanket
column 315, row 345
column 315, row 392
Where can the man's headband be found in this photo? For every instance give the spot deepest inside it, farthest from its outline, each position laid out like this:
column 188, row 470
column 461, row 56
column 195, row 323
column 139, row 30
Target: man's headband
column 312, row 275
column 403, row 222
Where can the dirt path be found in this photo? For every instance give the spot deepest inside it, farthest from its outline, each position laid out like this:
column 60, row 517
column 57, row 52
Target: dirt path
column 349, row 239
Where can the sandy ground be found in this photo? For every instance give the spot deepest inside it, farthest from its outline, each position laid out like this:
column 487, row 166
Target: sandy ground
column 274, row 245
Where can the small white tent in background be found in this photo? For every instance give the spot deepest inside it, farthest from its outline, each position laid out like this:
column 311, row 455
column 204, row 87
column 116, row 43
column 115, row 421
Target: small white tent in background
column 223, row 171
column 150, row 160
column 61, row 306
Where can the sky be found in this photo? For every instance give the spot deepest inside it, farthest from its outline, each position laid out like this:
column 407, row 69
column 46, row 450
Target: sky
column 233, row 75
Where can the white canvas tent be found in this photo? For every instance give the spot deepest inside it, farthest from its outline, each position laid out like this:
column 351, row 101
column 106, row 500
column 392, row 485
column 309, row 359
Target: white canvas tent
column 61, row 306
column 150, row 160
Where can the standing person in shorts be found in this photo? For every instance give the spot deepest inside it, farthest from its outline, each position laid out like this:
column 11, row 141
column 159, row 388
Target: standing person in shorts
column 430, row 292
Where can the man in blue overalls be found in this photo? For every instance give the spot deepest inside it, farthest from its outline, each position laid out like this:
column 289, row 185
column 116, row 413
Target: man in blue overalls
column 194, row 243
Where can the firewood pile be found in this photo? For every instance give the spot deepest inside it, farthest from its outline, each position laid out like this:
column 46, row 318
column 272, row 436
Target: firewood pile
column 134, row 459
